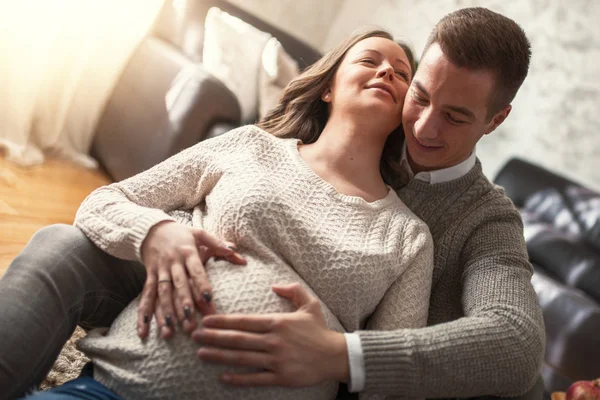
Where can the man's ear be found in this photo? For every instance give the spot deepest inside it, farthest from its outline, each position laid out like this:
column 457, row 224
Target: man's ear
column 498, row 119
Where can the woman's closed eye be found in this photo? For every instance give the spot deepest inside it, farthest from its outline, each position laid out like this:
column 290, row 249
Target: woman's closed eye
column 403, row 75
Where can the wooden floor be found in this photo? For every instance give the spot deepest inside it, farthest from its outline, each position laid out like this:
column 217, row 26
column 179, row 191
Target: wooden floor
column 33, row 197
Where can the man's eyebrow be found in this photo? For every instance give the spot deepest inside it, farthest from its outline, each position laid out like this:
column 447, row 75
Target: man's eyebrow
column 420, row 87
column 461, row 110
column 381, row 55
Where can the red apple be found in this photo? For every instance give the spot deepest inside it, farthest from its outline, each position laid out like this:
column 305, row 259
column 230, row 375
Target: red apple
column 584, row 390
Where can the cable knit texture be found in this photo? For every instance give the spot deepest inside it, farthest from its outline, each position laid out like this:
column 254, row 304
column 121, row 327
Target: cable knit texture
column 485, row 331
column 360, row 259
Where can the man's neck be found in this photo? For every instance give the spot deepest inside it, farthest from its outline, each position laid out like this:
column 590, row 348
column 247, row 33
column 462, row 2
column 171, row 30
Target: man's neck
column 415, row 168
column 445, row 174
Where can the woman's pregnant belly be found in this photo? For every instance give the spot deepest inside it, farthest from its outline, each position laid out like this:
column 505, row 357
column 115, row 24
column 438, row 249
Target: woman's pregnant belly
column 155, row 368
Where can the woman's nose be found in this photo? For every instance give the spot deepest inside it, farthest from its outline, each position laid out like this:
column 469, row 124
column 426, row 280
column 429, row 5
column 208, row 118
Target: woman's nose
column 386, row 71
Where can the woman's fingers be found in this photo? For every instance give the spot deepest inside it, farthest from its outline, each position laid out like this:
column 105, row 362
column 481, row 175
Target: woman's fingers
column 183, row 294
column 146, row 306
column 200, row 286
column 217, row 247
column 164, row 331
column 188, row 323
column 165, row 301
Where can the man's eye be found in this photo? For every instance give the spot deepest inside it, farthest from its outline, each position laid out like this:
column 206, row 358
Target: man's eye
column 454, row 120
column 418, row 98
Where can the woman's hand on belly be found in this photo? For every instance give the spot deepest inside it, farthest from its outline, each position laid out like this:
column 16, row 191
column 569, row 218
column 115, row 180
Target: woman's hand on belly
column 174, row 256
column 294, row 349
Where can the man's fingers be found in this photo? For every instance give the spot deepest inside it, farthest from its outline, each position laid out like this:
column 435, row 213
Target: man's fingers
column 201, row 287
column 250, row 380
column 146, row 306
column 236, row 358
column 248, row 323
column 233, row 339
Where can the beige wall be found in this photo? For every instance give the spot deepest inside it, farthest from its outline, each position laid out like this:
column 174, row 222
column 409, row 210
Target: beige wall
column 306, row 19
column 555, row 119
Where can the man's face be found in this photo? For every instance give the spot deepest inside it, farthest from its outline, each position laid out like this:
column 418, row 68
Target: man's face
column 445, row 112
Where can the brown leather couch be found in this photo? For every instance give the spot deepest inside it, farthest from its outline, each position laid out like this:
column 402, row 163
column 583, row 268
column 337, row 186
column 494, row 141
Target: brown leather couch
column 136, row 131
column 562, row 229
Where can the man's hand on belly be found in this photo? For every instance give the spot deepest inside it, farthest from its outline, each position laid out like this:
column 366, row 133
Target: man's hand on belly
column 293, row 349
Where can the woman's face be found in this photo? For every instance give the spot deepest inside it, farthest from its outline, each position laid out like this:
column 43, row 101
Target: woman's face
column 371, row 82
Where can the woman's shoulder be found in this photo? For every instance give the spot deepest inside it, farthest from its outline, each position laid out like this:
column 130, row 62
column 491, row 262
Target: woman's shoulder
column 404, row 216
column 249, row 134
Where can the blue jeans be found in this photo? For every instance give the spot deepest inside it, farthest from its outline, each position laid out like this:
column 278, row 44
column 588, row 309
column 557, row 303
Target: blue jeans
column 84, row 387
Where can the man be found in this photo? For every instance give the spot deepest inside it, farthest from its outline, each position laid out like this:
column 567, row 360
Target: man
column 485, row 333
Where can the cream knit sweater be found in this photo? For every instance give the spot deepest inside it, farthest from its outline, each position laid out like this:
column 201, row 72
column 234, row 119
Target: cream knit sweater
column 364, row 261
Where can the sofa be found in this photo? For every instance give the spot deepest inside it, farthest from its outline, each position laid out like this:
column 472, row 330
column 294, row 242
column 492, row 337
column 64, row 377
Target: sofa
column 562, row 230
column 165, row 99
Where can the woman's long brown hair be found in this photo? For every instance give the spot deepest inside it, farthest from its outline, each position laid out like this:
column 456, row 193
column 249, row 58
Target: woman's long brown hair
column 300, row 112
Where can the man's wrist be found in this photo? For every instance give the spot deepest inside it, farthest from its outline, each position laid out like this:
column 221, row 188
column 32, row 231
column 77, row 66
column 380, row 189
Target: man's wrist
column 339, row 368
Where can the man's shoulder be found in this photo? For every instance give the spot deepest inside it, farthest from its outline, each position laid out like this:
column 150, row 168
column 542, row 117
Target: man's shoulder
column 497, row 202
column 487, row 202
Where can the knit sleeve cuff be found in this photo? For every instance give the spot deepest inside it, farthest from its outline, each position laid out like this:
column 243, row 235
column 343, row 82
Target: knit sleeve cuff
column 142, row 226
column 389, row 362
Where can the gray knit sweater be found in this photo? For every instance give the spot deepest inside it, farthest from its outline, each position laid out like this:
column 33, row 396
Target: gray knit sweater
column 362, row 260
column 485, row 331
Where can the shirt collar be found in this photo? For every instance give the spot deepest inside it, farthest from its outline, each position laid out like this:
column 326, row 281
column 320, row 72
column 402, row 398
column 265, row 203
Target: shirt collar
column 440, row 175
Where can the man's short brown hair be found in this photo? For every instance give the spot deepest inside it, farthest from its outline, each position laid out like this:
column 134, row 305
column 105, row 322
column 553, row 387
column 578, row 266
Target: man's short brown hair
column 477, row 38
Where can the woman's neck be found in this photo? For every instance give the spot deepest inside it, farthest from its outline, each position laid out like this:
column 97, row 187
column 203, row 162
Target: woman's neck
column 349, row 154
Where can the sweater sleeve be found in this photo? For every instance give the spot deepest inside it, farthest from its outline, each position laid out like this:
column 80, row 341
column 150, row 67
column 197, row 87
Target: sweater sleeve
column 495, row 349
column 117, row 217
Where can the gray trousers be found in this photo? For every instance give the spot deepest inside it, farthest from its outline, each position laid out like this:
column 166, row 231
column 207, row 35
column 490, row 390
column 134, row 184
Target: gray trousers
column 60, row 280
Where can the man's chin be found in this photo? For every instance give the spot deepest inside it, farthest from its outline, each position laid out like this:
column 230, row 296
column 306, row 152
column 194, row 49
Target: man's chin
column 428, row 162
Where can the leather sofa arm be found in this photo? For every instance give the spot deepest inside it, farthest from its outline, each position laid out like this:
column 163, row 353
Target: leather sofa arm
column 162, row 104
column 218, row 129
column 572, row 322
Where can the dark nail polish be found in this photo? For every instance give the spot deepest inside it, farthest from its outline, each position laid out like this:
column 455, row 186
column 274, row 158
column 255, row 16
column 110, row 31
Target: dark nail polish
column 207, row 297
column 146, row 319
column 168, row 321
column 187, row 312
column 232, row 248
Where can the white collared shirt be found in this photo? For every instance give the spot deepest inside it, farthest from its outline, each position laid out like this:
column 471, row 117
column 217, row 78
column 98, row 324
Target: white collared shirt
column 356, row 359
column 440, row 175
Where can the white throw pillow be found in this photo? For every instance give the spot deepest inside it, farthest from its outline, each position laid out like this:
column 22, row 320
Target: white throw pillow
column 232, row 52
column 278, row 69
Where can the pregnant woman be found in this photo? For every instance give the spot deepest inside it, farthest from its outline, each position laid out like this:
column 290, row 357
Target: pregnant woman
column 307, row 197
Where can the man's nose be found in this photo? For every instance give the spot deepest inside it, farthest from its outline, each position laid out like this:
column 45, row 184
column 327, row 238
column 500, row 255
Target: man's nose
column 426, row 127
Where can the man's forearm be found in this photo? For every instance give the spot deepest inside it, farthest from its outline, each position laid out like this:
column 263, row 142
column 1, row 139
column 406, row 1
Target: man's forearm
column 468, row 357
